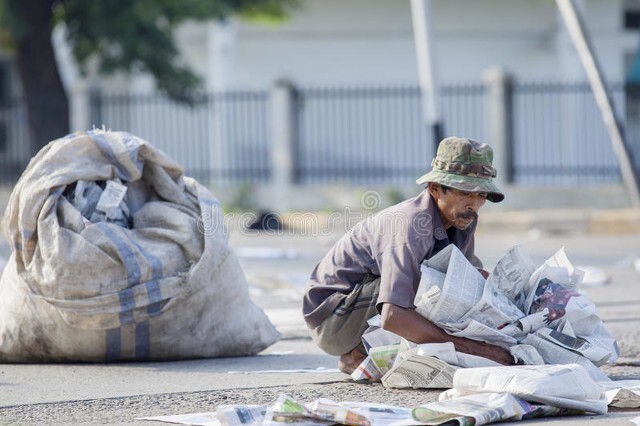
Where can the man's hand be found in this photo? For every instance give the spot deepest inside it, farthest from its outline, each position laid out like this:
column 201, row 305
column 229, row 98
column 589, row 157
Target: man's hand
column 412, row 326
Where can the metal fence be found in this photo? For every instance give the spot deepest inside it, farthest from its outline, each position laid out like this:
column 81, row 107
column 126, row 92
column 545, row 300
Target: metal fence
column 560, row 137
column 15, row 144
column 222, row 138
column 358, row 135
column 375, row 135
column 378, row 135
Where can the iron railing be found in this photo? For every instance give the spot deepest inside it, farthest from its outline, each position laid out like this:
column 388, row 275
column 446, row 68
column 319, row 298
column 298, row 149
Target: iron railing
column 358, row 135
column 375, row 135
column 222, row 138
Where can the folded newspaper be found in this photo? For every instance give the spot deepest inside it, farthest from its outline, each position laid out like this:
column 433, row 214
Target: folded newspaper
column 537, row 314
column 477, row 409
column 480, row 396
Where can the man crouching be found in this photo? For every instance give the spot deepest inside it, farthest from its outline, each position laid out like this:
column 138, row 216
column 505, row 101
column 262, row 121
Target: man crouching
column 375, row 267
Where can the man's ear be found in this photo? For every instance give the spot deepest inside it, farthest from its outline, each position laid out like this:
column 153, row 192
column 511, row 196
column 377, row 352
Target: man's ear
column 434, row 189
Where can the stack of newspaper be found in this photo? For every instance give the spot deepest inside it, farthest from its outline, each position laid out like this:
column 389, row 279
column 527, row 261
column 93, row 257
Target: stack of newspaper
column 537, row 314
column 477, row 408
column 479, row 396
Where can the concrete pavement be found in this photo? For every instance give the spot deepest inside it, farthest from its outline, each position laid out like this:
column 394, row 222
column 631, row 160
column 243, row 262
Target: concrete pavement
column 277, row 265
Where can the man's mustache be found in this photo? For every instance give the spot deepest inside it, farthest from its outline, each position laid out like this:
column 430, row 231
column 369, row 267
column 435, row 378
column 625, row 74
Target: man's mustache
column 467, row 215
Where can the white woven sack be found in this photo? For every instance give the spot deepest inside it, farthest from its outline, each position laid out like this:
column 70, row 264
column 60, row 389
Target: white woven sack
column 168, row 288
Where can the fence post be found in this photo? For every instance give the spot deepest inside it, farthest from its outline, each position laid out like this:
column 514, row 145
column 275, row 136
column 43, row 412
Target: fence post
column 499, row 119
column 79, row 107
column 283, row 152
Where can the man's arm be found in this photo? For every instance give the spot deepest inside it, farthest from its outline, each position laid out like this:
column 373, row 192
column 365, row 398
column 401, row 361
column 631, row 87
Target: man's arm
column 416, row 328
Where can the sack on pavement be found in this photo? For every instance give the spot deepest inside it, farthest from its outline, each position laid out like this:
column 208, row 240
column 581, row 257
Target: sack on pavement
column 116, row 255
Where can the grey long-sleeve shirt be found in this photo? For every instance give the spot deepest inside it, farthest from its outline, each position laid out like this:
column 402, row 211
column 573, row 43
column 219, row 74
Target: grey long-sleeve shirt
column 390, row 244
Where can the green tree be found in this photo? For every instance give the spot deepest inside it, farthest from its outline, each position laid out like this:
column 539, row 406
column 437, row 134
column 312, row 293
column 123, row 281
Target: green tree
column 125, row 35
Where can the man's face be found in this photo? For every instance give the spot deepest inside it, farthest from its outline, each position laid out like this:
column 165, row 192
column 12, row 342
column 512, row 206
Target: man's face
column 457, row 208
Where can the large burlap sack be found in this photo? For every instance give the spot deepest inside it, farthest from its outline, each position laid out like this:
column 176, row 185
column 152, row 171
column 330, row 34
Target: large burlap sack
column 167, row 288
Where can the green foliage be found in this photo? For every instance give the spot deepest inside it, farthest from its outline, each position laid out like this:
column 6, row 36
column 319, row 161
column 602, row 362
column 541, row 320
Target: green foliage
column 137, row 35
column 9, row 18
column 12, row 24
column 268, row 11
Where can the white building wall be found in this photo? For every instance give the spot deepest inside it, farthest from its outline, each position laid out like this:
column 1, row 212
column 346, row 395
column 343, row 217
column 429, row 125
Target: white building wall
column 348, row 42
column 332, row 42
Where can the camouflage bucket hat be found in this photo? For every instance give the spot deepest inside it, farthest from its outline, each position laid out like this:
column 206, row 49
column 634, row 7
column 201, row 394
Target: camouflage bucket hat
column 464, row 164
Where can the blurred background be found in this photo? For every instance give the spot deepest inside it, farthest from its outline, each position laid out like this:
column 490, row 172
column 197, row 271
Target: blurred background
column 304, row 104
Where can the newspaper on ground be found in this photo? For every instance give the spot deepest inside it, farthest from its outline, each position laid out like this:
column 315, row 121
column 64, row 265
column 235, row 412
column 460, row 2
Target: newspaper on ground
column 478, row 409
column 199, row 419
column 225, row 415
column 383, row 357
column 429, row 365
column 564, row 386
column 415, row 370
column 622, row 393
column 325, row 411
column 484, row 408
column 288, row 370
column 379, row 337
column 367, row 371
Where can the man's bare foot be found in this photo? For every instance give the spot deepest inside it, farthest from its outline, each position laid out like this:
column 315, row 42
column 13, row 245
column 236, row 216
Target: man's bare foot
column 350, row 361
